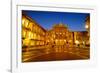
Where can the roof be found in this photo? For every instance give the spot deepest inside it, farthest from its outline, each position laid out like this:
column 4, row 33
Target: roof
column 30, row 19
column 60, row 25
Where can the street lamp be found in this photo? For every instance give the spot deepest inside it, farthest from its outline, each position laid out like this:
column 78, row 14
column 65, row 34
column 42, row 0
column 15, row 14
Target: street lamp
column 77, row 42
column 86, row 26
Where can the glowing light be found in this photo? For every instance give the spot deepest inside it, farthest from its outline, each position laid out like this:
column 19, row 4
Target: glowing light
column 25, row 22
column 26, row 42
column 34, row 36
column 30, row 35
column 64, row 40
column 77, row 42
column 86, row 26
column 83, row 42
column 23, row 33
column 30, row 25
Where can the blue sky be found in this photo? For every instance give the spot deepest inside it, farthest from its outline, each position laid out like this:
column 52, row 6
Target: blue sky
column 74, row 21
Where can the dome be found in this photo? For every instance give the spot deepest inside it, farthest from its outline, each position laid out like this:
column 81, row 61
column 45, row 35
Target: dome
column 60, row 25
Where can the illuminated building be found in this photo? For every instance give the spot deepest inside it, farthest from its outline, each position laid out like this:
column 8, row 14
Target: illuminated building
column 37, row 41
column 87, row 23
column 80, row 38
column 32, row 33
column 60, row 36
column 87, row 26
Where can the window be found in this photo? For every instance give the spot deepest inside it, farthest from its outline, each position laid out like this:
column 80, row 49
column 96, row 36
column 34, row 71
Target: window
column 26, row 23
column 30, row 26
column 23, row 33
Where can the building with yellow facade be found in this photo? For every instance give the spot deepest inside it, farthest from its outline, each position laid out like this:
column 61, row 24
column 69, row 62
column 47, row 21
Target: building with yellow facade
column 81, row 38
column 87, row 26
column 32, row 33
column 59, row 35
column 37, row 41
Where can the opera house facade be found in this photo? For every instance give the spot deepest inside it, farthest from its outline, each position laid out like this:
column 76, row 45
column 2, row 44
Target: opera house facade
column 39, row 44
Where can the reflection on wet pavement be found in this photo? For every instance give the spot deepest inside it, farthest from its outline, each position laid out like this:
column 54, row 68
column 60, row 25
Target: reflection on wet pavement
column 55, row 53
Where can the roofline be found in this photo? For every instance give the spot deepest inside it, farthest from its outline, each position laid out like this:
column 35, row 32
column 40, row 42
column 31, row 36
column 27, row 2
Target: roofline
column 33, row 21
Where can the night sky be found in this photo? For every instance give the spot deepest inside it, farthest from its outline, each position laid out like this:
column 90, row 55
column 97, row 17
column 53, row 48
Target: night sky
column 74, row 21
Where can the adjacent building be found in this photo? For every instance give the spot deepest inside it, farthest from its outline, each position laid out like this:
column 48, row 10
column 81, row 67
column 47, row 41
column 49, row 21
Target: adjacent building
column 32, row 33
column 80, row 38
column 87, row 26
